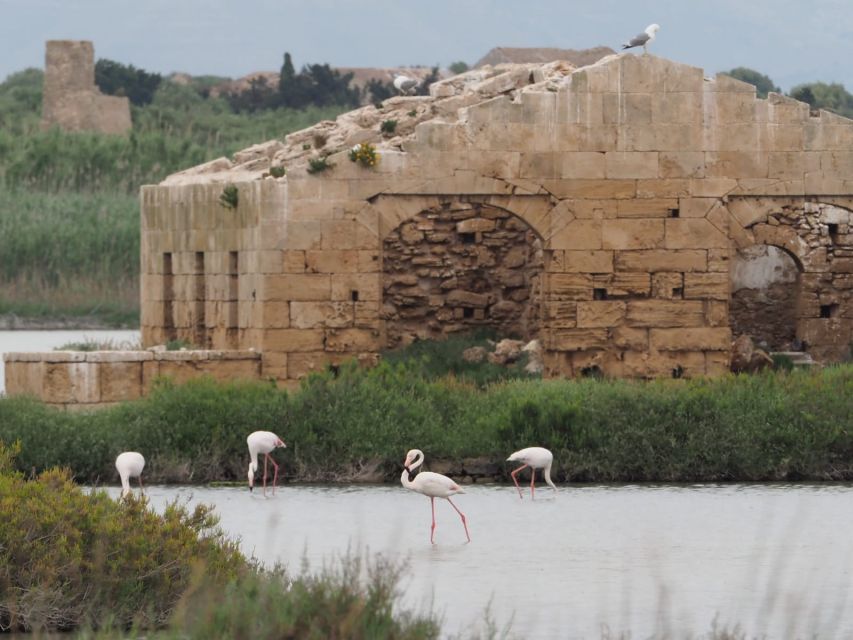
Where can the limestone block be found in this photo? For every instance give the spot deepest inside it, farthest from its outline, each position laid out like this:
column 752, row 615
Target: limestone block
column 293, row 340
column 691, row 339
column 578, row 235
column 631, row 164
column 461, row 298
column 72, row 382
column 541, row 165
column 293, row 261
column 591, row 189
column 695, row 207
column 693, row 233
column 676, row 107
column 274, row 365
column 603, row 137
column 711, row 187
column 665, row 188
column 623, row 284
column 707, row 286
column 561, row 314
column 475, row 225
column 276, row 315
column 120, row 381
column 783, row 237
column 687, row 364
column 300, row 365
column 297, row 287
column 568, row 286
column 305, row 234
column 631, row 338
column 646, row 207
column 583, row 164
column 716, row 313
column 353, row 287
column 311, row 315
column 633, row 233
column 368, row 261
column 588, row 261
column 577, row 339
column 736, row 164
column 681, row 164
column 353, row 340
column 653, row 260
column 785, row 137
column 600, row 313
column 25, row 378
column 717, row 363
column 331, row 261
column 668, row 285
column 665, row 313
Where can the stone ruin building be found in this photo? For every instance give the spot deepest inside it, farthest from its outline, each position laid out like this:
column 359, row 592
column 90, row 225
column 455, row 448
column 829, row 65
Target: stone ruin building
column 71, row 99
column 632, row 215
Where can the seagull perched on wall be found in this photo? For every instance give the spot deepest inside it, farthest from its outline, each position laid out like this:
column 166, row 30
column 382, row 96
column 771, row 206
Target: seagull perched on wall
column 405, row 85
column 643, row 39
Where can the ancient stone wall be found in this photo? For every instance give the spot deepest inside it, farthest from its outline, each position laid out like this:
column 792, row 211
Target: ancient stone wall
column 91, row 380
column 71, row 99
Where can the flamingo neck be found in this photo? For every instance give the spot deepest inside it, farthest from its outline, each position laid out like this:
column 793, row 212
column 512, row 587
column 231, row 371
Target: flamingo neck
column 404, row 478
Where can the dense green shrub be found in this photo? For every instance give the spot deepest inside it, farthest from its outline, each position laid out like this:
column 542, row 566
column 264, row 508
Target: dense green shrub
column 771, row 426
column 70, row 558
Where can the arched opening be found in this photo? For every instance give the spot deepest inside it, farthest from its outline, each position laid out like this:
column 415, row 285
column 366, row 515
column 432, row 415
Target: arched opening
column 765, row 285
column 460, row 267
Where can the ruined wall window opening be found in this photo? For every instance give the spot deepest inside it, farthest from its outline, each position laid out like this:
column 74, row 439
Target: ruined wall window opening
column 829, row 310
column 675, row 213
column 353, row 295
column 599, row 294
column 833, row 232
column 678, row 372
column 468, row 312
column 233, row 298
column 200, row 301
column 168, row 299
column 678, row 292
column 592, row 371
column 468, row 238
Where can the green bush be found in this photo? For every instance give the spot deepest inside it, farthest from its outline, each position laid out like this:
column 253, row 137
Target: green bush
column 70, row 558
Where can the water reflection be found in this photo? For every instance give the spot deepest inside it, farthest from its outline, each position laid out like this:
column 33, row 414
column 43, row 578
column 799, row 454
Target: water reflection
column 639, row 559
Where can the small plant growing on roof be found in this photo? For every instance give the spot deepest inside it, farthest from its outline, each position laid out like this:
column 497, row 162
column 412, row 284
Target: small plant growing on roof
column 230, row 197
column 277, row 171
column 316, row 165
column 388, row 127
column 306, row 146
column 412, row 113
column 365, row 154
column 319, row 140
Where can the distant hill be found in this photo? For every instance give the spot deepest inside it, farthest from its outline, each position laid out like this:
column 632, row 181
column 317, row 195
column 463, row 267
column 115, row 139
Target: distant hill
column 578, row 57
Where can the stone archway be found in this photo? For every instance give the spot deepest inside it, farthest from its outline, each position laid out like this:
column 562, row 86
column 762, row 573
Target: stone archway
column 765, row 291
column 460, row 266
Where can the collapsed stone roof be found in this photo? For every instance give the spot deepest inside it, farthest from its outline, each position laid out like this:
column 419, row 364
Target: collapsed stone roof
column 577, row 57
column 447, row 97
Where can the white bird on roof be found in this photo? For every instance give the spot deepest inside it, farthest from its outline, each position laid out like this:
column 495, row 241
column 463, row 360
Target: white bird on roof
column 405, row 85
column 643, row 39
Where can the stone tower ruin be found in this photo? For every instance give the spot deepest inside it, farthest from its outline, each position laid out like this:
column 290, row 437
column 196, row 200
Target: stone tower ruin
column 71, row 99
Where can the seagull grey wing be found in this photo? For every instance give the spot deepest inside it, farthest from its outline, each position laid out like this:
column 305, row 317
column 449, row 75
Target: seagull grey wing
column 637, row 41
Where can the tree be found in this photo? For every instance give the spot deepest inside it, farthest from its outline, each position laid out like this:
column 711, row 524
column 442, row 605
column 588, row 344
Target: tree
column 423, row 87
column 378, row 90
column 762, row 83
column 116, row 79
column 820, row 95
column 458, row 67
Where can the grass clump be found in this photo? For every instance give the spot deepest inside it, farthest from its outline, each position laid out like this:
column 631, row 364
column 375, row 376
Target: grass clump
column 318, row 165
column 388, row 127
column 230, row 197
column 91, row 344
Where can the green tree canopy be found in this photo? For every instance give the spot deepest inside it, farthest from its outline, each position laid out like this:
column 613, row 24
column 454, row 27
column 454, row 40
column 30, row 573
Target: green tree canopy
column 762, row 83
column 117, row 79
column 820, row 95
column 459, row 67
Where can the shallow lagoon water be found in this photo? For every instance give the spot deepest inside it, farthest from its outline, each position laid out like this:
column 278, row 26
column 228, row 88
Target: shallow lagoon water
column 774, row 559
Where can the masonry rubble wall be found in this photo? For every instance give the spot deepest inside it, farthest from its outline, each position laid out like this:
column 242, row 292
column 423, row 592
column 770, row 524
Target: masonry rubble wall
column 71, row 100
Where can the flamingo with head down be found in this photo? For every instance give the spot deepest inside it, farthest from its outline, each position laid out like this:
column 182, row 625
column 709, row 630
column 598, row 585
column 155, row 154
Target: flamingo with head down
column 263, row 442
column 129, row 465
column 535, row 458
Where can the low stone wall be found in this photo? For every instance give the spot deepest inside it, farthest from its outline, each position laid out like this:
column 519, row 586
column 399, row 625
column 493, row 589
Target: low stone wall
column 88, row 380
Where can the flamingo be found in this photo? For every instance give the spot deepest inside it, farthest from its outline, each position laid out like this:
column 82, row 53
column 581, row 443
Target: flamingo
column 262, row 442
column 129, row 465
column 535, row 458
column 432, row 485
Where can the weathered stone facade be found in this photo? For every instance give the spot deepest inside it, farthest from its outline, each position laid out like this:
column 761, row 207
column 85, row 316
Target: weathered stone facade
column 636, row 179
column 71, row 99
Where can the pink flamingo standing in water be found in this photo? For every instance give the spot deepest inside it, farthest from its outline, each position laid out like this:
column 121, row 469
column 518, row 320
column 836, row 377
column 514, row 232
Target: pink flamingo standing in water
column 535, row 458
column 262, row 442
column 432, row 485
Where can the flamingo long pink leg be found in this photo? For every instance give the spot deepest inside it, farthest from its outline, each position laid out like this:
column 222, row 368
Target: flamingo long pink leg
column 461, row 515
column 141, row 488
column 515, row 480
column 275, row 474
column 432, row 528
column 532, row 480
column 266, row 457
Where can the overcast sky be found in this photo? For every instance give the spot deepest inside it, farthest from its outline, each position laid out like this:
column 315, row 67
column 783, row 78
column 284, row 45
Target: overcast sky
column 792, row 41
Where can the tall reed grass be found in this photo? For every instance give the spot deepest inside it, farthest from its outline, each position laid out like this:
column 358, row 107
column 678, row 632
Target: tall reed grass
column 783, row 426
